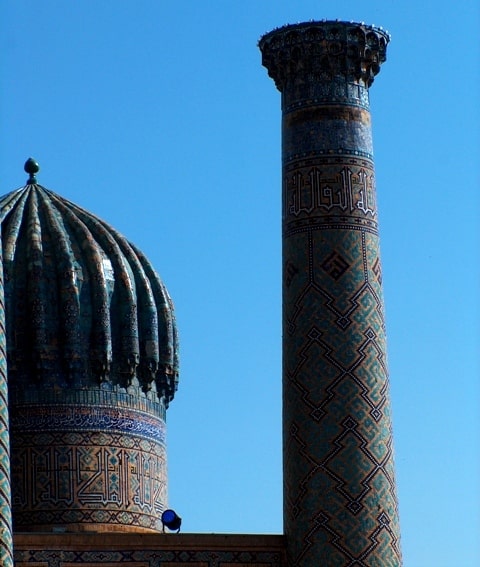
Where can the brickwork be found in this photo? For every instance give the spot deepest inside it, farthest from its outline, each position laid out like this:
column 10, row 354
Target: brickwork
column 92, row 361
column 6, row 549
column 339, row 491
column 142, row 550
column 80, row 465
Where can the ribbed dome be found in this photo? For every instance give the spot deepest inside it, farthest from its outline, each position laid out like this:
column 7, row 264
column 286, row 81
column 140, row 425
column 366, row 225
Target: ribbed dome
column 91, row 366
column 83, row 305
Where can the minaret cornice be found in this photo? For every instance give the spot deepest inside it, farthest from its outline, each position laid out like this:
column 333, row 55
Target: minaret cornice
column 323, row 50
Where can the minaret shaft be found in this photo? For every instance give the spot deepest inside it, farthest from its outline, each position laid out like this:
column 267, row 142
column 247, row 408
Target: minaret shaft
column 339, row 491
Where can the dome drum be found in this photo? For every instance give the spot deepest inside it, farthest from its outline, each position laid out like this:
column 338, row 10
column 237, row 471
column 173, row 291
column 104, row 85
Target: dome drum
column 92, row 361
column 87, row 468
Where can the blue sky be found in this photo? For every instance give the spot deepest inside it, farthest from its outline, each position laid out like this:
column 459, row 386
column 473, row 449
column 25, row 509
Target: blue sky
column 158, row 117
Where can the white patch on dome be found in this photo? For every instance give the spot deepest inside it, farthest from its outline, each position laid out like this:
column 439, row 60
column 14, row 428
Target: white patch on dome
column 109, row 275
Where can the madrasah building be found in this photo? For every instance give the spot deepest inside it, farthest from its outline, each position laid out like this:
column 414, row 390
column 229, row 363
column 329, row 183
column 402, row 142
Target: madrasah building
column 89, row 353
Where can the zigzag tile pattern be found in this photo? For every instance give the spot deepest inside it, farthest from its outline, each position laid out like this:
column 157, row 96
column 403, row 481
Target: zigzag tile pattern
column 340, row 506
column 151, row 558
column 6, row 545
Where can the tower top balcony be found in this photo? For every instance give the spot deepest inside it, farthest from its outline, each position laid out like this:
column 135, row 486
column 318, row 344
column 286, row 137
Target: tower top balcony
column 319, row 51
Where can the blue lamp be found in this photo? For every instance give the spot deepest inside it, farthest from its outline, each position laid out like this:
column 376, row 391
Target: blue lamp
column 171, row 520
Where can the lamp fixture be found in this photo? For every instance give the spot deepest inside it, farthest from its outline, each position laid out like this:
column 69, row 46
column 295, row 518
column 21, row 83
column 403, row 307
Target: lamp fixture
column 171, row 520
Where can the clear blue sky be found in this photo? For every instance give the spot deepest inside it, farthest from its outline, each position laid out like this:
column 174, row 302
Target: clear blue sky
column 158, row 117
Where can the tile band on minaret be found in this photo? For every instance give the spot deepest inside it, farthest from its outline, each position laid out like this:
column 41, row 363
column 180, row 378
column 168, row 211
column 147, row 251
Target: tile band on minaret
column 6, row 543
column 340, row 504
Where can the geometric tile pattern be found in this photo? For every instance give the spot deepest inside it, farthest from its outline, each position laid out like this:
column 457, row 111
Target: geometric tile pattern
column 73, row 466
column 149, row 550
column 335, row 265
column 75, row 418
column 340, row 504
column 90, row 339
column 6, row 548
column 149, row 558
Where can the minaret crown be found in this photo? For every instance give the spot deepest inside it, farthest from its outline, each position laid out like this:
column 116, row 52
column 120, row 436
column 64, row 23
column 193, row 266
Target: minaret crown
column 316, row 51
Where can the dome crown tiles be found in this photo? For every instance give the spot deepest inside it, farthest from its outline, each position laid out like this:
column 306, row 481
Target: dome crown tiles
column 92, row 361
column 84, row 306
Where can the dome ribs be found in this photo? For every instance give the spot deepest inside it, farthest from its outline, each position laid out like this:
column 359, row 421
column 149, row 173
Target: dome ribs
column 11, row 217
column 74, row 348
column 9, row 201
column 123, row 310
column 100, row 331
column 91, row 364
column 42, row 353
column 147, row 314
column 11, row 221
column 167, row 373
column 85, row 308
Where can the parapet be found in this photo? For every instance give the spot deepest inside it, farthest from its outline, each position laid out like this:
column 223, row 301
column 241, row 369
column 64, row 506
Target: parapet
column 319, row 51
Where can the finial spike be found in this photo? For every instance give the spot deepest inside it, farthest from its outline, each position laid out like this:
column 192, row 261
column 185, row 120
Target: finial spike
column 31, row 167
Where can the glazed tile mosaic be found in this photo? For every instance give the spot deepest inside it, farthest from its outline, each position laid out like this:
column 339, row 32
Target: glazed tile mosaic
column 92, row 356
column 148, row 558
column 6, row 558
column 90, row 349
column 339, row 489
column 159, row 550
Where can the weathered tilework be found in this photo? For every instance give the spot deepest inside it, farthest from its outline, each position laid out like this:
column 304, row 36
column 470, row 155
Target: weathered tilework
column 329, row 191
column 134, row 564
column 345, row 129
column 92, row 357
column 87, row 465
column 84, row 307
column 339, row 488
column 150, row 558
column 27, row 418
column 6, row 549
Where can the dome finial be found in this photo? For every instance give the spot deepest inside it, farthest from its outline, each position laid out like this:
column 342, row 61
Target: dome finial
column 31, row 167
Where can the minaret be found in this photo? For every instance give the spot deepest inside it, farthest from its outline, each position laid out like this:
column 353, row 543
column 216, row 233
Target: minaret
column 340, row 503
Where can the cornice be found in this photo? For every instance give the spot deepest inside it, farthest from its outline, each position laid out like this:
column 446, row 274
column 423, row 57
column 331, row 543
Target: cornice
column 323, row 51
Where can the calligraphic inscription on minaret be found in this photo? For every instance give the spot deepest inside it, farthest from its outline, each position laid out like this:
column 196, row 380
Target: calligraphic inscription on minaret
column 339, row 489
